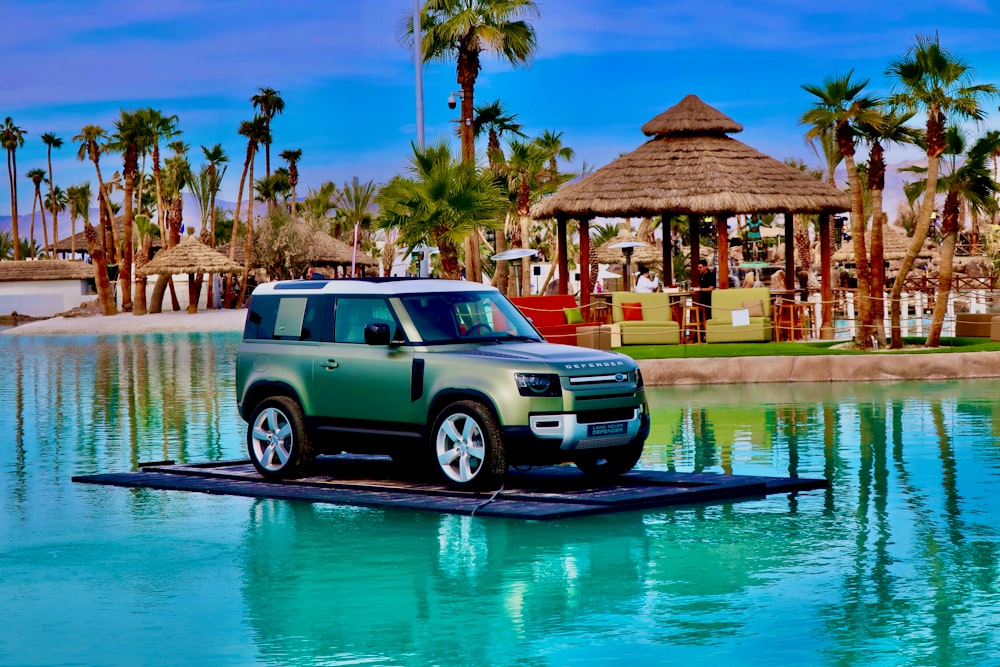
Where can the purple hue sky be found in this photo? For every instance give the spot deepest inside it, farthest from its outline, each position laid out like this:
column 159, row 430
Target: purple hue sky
column 604, row 67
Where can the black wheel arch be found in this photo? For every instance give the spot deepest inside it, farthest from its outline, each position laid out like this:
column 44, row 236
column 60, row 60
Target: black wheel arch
column 446, row 397
column 262, row 390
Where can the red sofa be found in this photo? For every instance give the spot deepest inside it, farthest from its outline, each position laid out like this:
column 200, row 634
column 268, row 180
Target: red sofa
column 548, row 314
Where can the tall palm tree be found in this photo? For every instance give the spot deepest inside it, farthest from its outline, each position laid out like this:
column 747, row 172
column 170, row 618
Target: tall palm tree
column 216, row 157
column 292, row 157
column 890, row 128
column 440, row 202
column 929, row 77
column 253, row 130
column 256, row 132
column 526, row 171
column 551, row 142
column 841, row 106
column 161, row 128
column 356, row 208
column 493, row 119
column 37, row 176
column 461, row 30
column 12, row 138
column 79, row 207
column 91, row 140
column 52, row 141
column 269, row 104
column 55, row 203
column 133, row 132
column 965, row 180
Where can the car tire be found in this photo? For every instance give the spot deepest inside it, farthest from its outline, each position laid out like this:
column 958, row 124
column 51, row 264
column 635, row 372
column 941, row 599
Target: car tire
column 466, row 447
column 277, row 442
column 606, row 464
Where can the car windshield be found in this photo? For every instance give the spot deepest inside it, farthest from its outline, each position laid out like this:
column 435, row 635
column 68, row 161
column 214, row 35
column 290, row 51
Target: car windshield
column 467, row 316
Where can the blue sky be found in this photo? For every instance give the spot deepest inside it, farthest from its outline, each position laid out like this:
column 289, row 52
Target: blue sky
column 604, row 67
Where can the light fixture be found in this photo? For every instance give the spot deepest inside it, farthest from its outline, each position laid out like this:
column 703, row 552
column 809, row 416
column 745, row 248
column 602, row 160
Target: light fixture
column 518, row 254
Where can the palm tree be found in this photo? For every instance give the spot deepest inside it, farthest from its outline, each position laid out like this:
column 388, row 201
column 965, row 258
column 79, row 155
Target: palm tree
column 493, row 119
column 841, row 106
column 461, row 30
column 79, row 206
column 215, row 156
column 133, row 133
column 37, row 176
column 52, row 141
column 91, row 140
column 160, row 127
column 253, row 130
column 965, row 180
column 552, row 145
column 270, row 104
column 12, row 138
column 929, row 77
column 439, row 204
column 256, row 132
column 292, row 157
column 55, row 203
column 356, row 208
column 318, row 204
column 526, row 173
column 890, row 128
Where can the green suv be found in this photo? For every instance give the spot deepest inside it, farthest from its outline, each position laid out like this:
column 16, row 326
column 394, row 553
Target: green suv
column 445, row 375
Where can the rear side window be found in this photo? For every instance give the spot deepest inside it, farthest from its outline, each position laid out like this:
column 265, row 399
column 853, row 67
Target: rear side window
column 354, row 314
column 285, row 318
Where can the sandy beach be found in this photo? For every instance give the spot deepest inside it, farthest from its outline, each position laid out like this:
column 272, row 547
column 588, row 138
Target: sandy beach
column 127, row 323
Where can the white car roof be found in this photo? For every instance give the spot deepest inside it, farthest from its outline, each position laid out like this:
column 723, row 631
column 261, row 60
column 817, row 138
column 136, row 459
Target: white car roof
column 373, row 286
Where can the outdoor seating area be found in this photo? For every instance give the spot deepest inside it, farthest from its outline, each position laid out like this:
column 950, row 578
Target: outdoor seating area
column 559, row 318
column 644, row 318
column 740, row 315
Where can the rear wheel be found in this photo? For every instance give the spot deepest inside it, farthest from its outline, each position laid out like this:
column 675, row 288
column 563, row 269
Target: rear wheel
column 277, row 442
column 466, row 446
column 609, row 463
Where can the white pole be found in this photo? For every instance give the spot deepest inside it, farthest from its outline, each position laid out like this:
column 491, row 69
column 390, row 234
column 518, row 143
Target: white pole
column 850, row 314
column 904, row 314
column 949, row 318
column 418, row 63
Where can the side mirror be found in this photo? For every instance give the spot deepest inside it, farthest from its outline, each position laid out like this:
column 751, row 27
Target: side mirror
column 377, row 333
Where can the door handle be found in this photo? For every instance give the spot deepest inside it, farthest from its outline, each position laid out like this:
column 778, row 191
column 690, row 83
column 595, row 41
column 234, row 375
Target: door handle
column 329, row 363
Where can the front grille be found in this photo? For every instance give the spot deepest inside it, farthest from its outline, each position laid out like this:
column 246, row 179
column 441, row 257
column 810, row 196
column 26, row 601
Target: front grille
column 593, row 443
column 609, row 415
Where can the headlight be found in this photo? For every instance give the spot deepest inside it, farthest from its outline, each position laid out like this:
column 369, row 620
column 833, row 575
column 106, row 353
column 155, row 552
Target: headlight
column 538, row 384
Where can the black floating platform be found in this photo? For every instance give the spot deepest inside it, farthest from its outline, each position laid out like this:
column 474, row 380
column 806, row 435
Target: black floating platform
column 541, row 493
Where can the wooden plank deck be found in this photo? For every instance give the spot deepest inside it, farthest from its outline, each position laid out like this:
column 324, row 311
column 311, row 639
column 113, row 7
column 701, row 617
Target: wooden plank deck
column 541, row 493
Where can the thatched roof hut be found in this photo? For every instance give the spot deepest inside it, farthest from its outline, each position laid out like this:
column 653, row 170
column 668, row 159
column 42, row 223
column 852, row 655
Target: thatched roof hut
column 895, row 243
column 45, row 269
column 689, row 166
column 649, row 255
column 189, row 256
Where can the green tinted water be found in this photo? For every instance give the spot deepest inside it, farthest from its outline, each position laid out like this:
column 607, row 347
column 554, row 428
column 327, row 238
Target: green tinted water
column 896, row 564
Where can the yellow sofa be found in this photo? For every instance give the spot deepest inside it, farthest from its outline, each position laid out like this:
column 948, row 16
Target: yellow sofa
column 720, row 328
column 656, row 326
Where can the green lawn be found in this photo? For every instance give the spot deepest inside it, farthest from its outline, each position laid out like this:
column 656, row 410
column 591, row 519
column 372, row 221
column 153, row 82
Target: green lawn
column 789, row 349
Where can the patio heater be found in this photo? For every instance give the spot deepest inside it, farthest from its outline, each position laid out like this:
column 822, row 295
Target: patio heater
column 627, row 247
column 518, row 254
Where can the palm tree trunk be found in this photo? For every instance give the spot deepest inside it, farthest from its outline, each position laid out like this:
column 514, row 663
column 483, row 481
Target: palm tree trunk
column 125, row 273
column 949, row 228
column 920, row 232
column 249, row 239
column 104, row 295
column 863, row 337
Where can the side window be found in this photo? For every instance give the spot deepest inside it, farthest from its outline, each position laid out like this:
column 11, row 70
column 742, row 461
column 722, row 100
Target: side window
column 353, row 315
column 285, row 318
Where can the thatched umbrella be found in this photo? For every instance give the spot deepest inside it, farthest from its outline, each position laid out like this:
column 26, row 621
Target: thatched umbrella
column 690, row 166
column 895, row 243
column 193, row 257
column 327, row 250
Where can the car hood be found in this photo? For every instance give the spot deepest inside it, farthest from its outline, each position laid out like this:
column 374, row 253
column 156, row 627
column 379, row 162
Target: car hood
column 565, row 356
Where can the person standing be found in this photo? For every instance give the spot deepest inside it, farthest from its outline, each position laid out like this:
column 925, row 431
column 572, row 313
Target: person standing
column 644, row 283
column 706, row 283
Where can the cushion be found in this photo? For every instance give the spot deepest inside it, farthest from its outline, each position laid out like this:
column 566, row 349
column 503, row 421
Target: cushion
column 756, row 308
column 573, row 316
column 632, row 312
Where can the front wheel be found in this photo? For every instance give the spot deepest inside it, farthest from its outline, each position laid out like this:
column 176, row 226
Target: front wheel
column 466, row 445
column 277, row 441
column 612, row 462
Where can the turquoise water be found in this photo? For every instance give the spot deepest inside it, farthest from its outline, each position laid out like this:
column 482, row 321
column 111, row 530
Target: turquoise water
column 896, row 564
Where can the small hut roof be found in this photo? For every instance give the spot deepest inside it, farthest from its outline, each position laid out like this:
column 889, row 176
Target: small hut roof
column 329, row 250
column 66, row 243
column 691, row 166
column 895, row 243
column 45, row 269
column 651, row 254
column 189, row 256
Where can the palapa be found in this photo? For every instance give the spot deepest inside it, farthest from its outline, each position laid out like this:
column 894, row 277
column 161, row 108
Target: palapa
column 189, row 256
column 649, row 255
column 895, row 243
column 691, row 166
column 45, row 269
